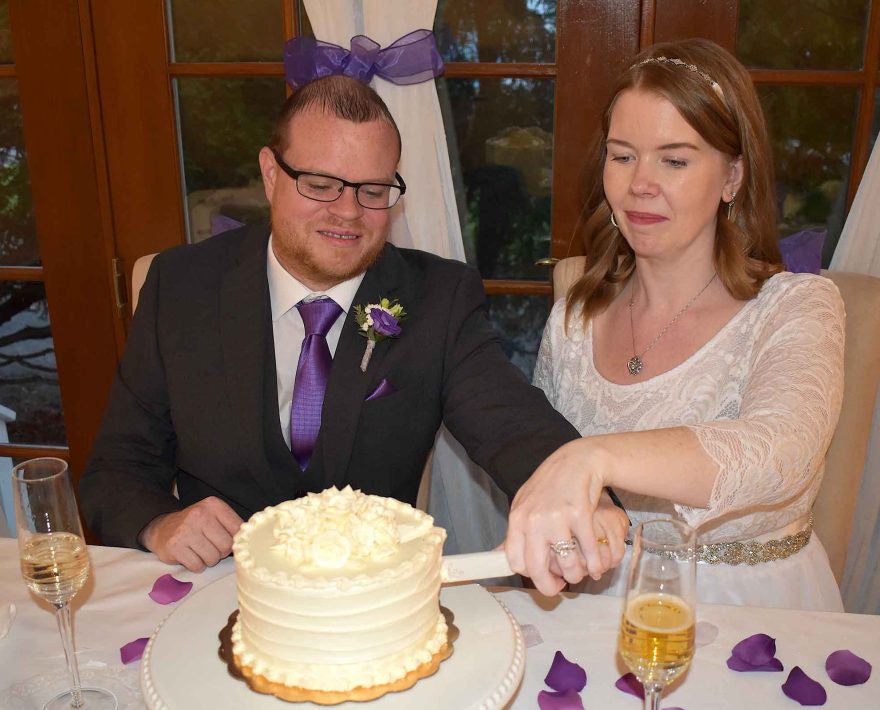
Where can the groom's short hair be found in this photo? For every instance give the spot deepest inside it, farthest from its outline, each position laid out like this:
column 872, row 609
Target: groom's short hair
column 339, row 96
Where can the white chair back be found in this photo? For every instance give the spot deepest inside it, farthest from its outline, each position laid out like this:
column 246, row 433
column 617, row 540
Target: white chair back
column 138, row 276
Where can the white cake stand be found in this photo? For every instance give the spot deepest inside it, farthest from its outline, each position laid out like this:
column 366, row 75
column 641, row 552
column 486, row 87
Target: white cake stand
column 181, row 669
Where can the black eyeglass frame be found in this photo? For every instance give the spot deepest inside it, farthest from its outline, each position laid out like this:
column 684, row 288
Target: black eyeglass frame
column 356, row 186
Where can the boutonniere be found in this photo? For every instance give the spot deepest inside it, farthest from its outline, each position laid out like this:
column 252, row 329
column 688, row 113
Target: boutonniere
column 377, row 321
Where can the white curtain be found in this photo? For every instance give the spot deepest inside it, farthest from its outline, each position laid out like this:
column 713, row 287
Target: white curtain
column 859, row 250
column 463, row 499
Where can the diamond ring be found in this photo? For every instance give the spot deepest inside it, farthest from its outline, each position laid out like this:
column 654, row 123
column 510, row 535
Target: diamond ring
column 563, row 547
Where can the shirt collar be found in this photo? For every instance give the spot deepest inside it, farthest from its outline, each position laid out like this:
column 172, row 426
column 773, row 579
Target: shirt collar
column 285, row 291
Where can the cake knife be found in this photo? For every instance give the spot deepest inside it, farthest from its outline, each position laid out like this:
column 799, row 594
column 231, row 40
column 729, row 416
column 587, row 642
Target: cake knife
column 474, row 565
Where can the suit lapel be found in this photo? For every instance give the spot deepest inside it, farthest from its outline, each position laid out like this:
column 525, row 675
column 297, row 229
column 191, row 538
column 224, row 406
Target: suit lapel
column 348, row 386
column 244, row 318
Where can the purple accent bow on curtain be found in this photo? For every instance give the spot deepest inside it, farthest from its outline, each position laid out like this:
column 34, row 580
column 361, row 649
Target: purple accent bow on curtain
column 412, row 59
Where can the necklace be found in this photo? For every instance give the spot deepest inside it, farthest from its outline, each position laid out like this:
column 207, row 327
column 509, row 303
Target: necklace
column 636, row 363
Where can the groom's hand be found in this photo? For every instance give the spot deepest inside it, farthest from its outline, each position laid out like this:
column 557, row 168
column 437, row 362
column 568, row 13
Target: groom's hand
column 196, row 537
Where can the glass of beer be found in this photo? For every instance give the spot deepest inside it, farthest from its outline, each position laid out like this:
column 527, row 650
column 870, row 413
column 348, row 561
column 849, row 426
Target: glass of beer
column 657, row 628
column 54, row 560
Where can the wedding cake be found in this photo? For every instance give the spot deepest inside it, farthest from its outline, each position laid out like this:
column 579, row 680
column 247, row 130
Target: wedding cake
column 338, row 596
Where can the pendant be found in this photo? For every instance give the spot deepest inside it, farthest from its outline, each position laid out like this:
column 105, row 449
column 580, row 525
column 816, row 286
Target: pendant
column 634, row 365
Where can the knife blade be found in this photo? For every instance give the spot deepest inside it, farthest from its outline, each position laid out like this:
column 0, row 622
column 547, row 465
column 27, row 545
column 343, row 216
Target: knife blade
column 474, row 565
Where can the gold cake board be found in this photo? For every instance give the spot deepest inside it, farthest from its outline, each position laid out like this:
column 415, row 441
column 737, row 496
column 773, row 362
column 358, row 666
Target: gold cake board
column 295, row 694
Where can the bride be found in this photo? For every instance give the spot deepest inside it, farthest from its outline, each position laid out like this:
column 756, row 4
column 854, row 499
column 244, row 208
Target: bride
column 705, row 380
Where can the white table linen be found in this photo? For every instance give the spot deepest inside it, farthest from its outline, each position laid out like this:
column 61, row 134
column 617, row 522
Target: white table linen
column 114, row 609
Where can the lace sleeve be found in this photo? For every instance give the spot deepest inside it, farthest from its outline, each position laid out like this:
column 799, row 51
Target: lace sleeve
column 545, row 366
column 790, row 405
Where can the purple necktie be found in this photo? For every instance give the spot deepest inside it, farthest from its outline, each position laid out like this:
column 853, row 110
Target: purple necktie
column 312, row 372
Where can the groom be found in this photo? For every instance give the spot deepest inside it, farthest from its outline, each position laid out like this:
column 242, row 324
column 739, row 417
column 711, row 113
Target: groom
column 228, row 362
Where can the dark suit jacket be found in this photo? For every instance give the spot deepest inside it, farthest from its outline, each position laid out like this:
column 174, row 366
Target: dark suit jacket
column 195, row 400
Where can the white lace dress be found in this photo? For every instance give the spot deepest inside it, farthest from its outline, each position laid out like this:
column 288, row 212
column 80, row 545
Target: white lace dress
column 763, row 397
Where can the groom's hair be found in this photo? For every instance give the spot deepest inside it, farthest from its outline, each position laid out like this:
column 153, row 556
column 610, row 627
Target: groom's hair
column 339, row 96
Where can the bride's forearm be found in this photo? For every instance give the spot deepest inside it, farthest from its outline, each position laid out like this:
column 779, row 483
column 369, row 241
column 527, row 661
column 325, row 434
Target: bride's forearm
column 664, row 463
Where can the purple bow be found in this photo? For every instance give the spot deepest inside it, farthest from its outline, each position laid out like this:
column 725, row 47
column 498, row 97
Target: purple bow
column 412, row 59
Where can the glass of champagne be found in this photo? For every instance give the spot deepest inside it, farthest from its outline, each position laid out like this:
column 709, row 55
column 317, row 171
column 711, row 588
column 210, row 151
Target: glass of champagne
column 54, row 560
column 657, row 628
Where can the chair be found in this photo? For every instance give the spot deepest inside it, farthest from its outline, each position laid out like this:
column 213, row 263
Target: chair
column 845, row 461
column 139, row 275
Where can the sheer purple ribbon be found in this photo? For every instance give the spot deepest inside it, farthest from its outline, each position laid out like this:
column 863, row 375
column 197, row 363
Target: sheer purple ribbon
column 412, row 59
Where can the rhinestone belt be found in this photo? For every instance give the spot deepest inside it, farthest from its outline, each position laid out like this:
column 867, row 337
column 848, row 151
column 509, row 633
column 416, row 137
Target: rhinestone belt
column 750, row 552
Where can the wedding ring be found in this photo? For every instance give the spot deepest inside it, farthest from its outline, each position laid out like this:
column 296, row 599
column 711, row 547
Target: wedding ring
column 563, row 547
column 602, row 540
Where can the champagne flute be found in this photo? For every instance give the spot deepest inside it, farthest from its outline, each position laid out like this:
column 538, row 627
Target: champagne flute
column 657, row 628
column 54, row 560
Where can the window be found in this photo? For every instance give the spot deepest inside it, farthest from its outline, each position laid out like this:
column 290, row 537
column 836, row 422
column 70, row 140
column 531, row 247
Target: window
column 815, row 65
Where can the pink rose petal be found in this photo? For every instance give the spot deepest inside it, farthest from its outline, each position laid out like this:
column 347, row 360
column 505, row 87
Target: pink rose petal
column 846, row 668
column 569, row 700
column 800, row 687
column 738, row 664
column 756, row 650
column 630, row 684
column 565, row 675
column 167, row 590
column 704, row 633
column 133, row 650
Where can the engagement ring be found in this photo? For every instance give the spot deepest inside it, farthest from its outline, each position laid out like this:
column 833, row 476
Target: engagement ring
column 563, row 547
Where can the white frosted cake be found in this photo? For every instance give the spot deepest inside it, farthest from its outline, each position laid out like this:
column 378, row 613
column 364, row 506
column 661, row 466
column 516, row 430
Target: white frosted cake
column 338, row 592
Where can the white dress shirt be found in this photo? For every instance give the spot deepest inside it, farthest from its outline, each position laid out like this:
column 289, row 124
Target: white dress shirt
column 288, row 330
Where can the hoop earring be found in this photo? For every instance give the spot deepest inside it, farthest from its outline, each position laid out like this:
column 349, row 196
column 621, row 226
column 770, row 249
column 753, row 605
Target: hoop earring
column 730, row 206
column 613, row 222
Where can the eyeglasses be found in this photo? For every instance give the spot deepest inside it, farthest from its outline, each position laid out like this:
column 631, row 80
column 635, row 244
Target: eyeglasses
column 326, row 188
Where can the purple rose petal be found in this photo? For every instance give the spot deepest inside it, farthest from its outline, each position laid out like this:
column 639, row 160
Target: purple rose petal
column 756, row 650
column 800, row 687
column 133, row 650
column 630, row 684
column 846, row 668
column 384, row 323
column 569, row 700
column 738, row 664
column 167, row 590
column 565, row 675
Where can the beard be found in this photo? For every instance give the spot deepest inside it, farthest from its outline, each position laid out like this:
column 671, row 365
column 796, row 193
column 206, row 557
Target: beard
column 303, row 260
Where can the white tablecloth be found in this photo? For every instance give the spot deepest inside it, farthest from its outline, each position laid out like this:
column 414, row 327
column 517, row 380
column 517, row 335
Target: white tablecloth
column 114, row 609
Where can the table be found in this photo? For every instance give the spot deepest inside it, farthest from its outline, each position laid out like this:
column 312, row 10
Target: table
column 114, row 609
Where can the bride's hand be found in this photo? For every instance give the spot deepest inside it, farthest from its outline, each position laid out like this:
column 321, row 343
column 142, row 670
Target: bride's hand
column 557, row 504
column 611, row 525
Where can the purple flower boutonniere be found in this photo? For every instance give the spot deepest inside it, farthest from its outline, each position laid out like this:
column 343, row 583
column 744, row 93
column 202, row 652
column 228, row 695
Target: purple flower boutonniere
column 377, row 321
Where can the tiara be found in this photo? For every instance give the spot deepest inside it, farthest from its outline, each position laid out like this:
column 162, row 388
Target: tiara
column 716, row 87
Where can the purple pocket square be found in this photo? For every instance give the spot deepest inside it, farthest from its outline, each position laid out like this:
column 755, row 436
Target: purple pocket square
column 383, row 390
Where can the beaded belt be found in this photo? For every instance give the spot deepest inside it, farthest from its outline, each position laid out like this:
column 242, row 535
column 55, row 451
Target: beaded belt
column 752, row 552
